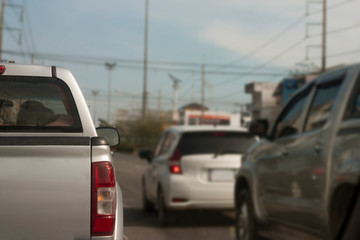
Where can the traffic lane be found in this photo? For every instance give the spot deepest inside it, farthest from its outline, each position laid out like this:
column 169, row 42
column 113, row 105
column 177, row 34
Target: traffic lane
column 187, row 225
column 129, row 170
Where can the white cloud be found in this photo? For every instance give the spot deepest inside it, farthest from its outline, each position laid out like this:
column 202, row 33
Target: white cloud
column 243, row 40
column 244, row 37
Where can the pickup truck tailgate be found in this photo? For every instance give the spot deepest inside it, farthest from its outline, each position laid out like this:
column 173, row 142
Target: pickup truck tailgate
column 45, row 188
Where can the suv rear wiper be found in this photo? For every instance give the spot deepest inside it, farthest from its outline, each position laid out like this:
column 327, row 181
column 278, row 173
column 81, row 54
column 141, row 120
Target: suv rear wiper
column 222, row 152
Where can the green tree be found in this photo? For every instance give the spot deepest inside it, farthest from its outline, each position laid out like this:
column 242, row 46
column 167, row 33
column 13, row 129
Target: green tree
column 136, row 135
column 103, row 123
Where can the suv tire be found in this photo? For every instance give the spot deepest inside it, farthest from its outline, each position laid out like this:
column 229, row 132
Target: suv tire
column 146, row 204
column 164, row 215
column 245, row 221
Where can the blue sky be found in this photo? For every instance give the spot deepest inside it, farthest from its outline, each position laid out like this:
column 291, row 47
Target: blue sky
column 201, row 32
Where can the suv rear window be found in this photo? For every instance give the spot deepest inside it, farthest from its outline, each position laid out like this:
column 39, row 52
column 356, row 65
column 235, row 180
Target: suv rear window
column 37, row 104
column 215, row 142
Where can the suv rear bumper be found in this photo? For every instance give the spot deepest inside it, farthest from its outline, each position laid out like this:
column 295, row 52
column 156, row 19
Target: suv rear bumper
column 186, row 193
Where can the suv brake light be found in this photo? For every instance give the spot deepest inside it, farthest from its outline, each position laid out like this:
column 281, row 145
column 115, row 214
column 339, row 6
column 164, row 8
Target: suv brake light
column 2, row 69
column 174, row 162
column 103, row 199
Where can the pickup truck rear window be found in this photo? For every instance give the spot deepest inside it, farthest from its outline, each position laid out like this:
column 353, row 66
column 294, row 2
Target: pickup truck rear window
column 218, row 142
column 37, row 104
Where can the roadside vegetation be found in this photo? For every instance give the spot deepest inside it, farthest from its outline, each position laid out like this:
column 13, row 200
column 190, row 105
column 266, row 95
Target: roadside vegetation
column 136, row 135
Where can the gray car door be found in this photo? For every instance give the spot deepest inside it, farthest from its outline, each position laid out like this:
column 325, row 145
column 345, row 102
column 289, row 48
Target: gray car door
column 274, row 166
column 309, row 157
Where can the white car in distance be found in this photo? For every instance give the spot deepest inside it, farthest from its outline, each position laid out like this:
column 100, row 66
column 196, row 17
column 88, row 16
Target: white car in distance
column 193, row 167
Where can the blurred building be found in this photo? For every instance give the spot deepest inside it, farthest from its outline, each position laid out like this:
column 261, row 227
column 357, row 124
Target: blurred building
column 286, row 88
column 264, row 104
column 196, row 114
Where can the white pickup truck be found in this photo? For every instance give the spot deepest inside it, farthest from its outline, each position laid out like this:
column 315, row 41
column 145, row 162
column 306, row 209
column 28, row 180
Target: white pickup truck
column 57, row 179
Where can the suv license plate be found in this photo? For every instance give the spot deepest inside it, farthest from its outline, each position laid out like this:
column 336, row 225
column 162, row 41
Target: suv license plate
column 221, row 175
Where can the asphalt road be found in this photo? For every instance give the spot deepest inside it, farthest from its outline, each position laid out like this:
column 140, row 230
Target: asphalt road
column 187, row 226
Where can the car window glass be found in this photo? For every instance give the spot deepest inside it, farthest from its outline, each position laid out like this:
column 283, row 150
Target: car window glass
column 290, row 120
column 322, row 104
column 167, row 143
column 36, row 104
column 159, row 145
column 353, row 106
column 219, row 142
column 355, row 113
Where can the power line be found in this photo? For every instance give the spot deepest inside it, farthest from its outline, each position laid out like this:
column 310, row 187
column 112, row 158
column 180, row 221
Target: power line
column 292, row 25
column 138, row 97
column 13, row 6
column 229, row 95
column 277, row 36
column 266, row 63
column 331, row 7
column 101, row 60
column 150, row 68
column 338, row 30
column 338, row 54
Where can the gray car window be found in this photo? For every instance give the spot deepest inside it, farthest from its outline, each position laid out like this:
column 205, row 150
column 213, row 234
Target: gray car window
column 289, row 122
column 322, row 104
column 353, row 105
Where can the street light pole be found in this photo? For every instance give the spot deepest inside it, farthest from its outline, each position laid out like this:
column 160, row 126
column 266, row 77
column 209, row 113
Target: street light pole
column 2, row 24
column 175, row 101
column 202, row 90
column 323, row 54
column 144, row 100
column 109, row 66
column 94, row 93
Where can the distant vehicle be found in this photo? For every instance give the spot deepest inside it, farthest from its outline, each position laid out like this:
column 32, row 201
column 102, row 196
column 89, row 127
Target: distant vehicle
column 193, row 167
column 299, row 181
column 57, row 179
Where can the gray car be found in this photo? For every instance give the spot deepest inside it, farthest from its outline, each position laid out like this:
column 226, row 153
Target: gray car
column 299, row 180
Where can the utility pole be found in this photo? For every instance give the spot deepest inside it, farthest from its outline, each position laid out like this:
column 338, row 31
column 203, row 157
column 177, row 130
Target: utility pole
column 144, row 102
column 159, row 103
column 202, row 89
column 2, row 25
column 94, row 93
column 323, row 55
column 323, row 25
column 110, row 67
column 175, row 101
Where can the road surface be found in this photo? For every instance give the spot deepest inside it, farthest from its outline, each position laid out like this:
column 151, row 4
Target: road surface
column 139, row 225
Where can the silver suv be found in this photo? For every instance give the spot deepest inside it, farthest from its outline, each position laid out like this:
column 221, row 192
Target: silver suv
column 193, row 167
column 298, row 181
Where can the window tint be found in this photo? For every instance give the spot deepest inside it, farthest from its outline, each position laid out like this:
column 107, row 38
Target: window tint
column 215, row 142
column 322, row 104
column 353, row 106
column 290, row 119
column 37, row 105
column 355, row 110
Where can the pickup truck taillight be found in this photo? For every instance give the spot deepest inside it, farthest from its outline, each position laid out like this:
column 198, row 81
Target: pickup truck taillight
column 103, row 199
